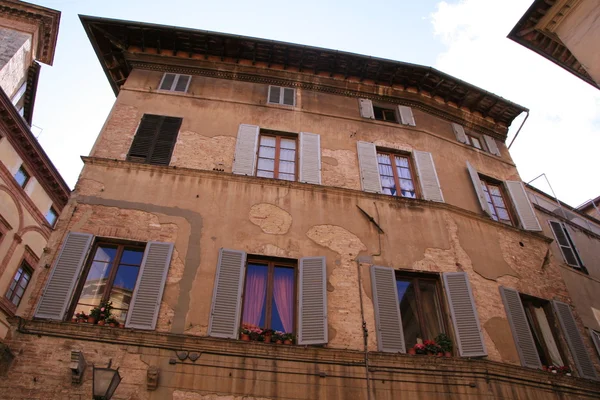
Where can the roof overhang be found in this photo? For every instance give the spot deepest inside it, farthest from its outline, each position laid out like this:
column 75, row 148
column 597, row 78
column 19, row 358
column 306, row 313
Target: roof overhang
column 115, row 40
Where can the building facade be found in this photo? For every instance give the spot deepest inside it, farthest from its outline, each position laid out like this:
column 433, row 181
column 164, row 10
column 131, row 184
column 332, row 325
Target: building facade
column 363, row 207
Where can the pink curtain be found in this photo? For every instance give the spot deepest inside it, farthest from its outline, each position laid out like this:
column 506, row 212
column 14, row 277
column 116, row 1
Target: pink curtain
column 283, row 292
column 256, row 284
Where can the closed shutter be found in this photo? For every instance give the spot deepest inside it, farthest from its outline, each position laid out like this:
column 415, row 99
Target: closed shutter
column 244, row 162
column 369, row 167
column 165, row 141
column 582, row 359
column 521, row 203
column 312, row 299
column 227, row 294
column 64, row 275
column 366, row 108
column 155, row 139
column 143, row 140
column 310, row 158
column 183, row 81
column 459, row 131
column 491, row 145
column 390, row 336
column 596, row 340
column 145, row 302
column 406, row 115
column 479, row 190
column 274, row 94
column 464, row 315
column 289, row 97
column 430, row 185
column 564, row 244
column 167, row 81
column 520, row 328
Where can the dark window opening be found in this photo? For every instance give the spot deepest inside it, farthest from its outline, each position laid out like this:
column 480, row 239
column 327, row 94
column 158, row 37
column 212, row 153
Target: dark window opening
column 384, row 114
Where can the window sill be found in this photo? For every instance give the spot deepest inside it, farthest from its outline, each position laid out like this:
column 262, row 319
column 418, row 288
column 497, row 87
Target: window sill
column 9, row 308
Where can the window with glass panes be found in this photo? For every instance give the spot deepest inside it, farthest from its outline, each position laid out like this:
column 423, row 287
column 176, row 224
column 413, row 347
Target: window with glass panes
column 22, row 177
column 277, row 157
column 396, row 172
column 19, row 284
column 111, row 275
column 496, row 202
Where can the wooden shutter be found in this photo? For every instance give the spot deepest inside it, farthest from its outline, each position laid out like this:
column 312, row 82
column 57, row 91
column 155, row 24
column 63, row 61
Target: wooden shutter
column 369, row 168
column 145, row 302
column 390, row 335
column 312, row 300
column 64, row 275
column 167, row 81
column 521, row 203
column 459, row 131
column 582, row 359
column 155, row 139
column 595, row 339
column 479, row 190
column 310, row 158
column 274, row 94
column 227, row 294
column 491, row 145
column 183, row 81
column 430, row 185
column 564, row 244
column 406, row 115
column 289, row 96
column 366, row 108
column 143, row 140
column 520, row 328
column 464, row 315
column 165, row 141
column 244, row 162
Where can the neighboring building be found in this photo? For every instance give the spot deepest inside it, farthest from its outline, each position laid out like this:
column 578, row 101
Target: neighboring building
column 591, row 208
column 32, row 192
column 566, row 32
column 361, row 205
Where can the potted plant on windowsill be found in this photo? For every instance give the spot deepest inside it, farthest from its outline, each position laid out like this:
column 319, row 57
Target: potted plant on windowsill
column 112, row 322
column 420, row 348
column 267, row 335
column 432, row 347
column 288, row 338
column 244, row 333
column 277, row 337
column 101, row 312
column 445, row 343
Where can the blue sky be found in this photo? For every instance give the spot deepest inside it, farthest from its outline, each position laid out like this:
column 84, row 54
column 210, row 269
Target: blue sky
column 465, row 38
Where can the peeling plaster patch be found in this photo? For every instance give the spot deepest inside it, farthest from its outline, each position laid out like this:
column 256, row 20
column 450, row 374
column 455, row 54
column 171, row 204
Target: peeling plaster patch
column 197, row 151
column 274, row 251
column 340, row 169
column 184, row 395
column 270, row 218
column 499, row 331
column 329, row 160
column 338, row 239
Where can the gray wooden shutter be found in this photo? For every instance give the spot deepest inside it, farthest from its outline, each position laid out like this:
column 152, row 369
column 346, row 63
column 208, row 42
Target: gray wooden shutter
column 64, row 275
column 521, row 203
column 479, row 190
column 366, row 108
column 369, row 167
column 464, row 315
column 406, row 115
column 227, row 294
column 520, row 328
column 562, row 240
column 582, row 359
column 459, row 131
column 491, row 145
column 310, row 158
column 596, row 340
column 312, row 300
column 430, row 185
column 145, row 302
column 244, row 162
column 167, row 82
column 274, row 94
column 390, row 335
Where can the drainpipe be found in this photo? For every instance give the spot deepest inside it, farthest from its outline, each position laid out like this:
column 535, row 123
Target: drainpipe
column 519, row 130
column 364, row 329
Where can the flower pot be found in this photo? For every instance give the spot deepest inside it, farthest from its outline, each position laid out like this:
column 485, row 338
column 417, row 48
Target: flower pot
column 121, row 325
column 287, row 341
column 544, row 368
column 74, row 320
column 91, row 320
column 440, row 354
column 429, row 353
column 101, row 322
column 245, row 337
column 278, row 341
column 112, row 324
column 268, row 339
column 412, row 351
column 80, row 320
column 448, row 354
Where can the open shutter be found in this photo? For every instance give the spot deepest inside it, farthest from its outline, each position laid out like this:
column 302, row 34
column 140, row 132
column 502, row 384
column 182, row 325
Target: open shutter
column 165, row 141
column 406, row 115
column 366, row 108
column 521, row 203
column 274, row 94
column 390, row 336
column 312, row 300
column 491, row 145
column 244, row 162
column 464, row 315
column 596, row 340
column 227, row 294
column 145, row 302
column 430, row 185
column 167, row 81
column 310, row 158
column 582, row 359
column 520, row 328
column 369, row 168
column 183, row 81
column 479, row 190
column 562, row 240
column 64, row 275
column 459, row 131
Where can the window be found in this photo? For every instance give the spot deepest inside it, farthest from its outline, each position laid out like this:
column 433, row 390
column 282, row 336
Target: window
column 566, row 245
column 384, row 114
column 51, row 216
column 19, row 284
column 111, row 275
column 420, row 308
column 155, row 139
column 276, row 157
column 269, row 295
column 18, row 99
column 282, row 95
column 22, row 177
column 395, row 171
column 496, row 200
column 475, row 142
column 175, row 82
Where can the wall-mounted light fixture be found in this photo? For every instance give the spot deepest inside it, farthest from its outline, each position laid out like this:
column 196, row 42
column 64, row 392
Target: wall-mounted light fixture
column 105, row 382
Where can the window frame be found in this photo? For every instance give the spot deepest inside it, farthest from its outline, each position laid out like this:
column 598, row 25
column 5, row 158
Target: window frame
column 503, row 193
column 281, row 96
column 278, row 136
column 26, row 173
column 174, row 84
column 479, row 139
column 53, row 210
column 392, row 154
column 397, row 119
column 580, row 267
column 26, row 266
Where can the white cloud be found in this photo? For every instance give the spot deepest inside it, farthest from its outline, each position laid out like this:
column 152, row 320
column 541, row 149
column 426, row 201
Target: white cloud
column 562, row 134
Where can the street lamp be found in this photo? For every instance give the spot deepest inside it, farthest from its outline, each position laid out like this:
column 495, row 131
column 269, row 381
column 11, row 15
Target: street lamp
column 105, row 382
